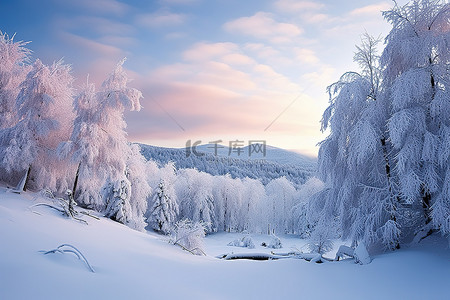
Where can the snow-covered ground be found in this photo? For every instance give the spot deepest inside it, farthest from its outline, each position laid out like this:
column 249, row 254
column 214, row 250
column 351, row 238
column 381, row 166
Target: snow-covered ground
column 136, row 265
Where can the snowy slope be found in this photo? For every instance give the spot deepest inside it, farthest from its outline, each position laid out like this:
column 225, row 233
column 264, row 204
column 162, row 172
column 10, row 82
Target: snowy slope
column 137, row 265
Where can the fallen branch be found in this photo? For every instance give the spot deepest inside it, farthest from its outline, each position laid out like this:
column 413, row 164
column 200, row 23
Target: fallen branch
column 66, row 207
column 192, row 251
column 72, row 250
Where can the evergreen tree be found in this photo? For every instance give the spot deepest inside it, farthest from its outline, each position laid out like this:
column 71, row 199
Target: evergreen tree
column 164, row 211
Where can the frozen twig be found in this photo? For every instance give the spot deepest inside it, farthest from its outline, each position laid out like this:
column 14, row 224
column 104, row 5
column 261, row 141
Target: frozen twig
column 73, row 250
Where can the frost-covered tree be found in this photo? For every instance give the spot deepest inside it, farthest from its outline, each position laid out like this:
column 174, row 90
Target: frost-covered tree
column 44, row 120
column 416, row 77
column 355, row 159
column 387, row 152
column 252, row 208
column 140, row 187
column 164, row 211
column 299, row 215
column 85, row 148
column 14, row 57
column 98, row 144
column 280, row 198
column 228, row 195
column 189, row 236
column 203, row 206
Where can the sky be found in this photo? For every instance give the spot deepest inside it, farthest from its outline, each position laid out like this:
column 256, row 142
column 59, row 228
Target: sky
column 209, row 70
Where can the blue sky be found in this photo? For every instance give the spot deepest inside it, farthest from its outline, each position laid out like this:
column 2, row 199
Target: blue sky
column 208, row 69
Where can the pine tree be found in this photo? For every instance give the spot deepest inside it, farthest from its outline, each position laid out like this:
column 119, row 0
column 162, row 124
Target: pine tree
column 164, row 211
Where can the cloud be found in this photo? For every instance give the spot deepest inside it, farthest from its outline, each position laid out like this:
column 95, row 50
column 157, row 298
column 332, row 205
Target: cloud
column 295, row 6
column 307, row 56
column 237, row 59
column 206, row 51
column 118, row 41
column 211, row 73
column 160, row 19
column 262, row 26
column 184, row 2
column 105, row 7
column 91, row 46
column 220, row 91
column 322, row 77
column 99, row 25
column 374, row 9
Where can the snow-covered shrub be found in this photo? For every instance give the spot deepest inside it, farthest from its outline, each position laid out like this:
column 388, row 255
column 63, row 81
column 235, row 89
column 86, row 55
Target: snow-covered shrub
column 275, row 242
column 321, row 240
column 189, row 236
column 362, row 257
column 246, row 241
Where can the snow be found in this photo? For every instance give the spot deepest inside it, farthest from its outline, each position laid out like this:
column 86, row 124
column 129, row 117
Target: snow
column 361, row 254
column 140, row 265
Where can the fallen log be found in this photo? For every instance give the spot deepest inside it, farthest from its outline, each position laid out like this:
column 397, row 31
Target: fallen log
column 312, row 257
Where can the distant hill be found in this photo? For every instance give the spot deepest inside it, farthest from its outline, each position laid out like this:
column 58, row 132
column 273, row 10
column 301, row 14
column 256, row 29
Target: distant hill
column 272, row 154
column 276, row 163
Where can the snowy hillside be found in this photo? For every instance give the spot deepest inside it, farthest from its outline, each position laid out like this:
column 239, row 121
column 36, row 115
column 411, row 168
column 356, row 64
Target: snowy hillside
column 276, row 163
column 272, row 154
column 139, row 265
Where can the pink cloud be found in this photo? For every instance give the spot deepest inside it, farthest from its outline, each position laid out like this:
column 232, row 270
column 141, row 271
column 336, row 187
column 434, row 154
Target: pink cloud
column 207, row 51
column 262, row 25
column 374, row 9
column 307, row 56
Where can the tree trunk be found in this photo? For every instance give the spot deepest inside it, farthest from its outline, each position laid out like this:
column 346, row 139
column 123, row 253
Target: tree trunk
column 28, row 177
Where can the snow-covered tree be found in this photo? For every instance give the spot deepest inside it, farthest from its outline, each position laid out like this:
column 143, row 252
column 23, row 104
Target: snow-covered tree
column 140, row 188
column 280, row 199
column 98, row 144
column 252, row 208
column 228, row 194
column 321, row 240
column 44, row 120
column 164, row 211
column 387, row 152
column 13, row 71
column 299, row 215
column 203, row 206
column 189, row 236
column 416, row 77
